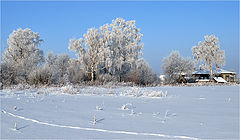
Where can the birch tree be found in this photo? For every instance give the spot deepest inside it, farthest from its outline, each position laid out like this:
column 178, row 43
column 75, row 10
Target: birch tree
column 174, row 66
column 114, row 49
column 123, row 41
column 208, row 54
column 89, row 51
column 23, row 52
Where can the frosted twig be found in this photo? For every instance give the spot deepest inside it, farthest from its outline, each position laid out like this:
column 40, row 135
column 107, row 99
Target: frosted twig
column 95, row 119
column 15, row 126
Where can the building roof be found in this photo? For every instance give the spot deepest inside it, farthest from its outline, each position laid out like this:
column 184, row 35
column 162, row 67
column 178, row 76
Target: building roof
column 201, row 72
column 222, row 71
column 218, row 71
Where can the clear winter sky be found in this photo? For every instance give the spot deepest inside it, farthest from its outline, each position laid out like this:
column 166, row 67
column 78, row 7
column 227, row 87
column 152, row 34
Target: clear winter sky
column 165, row 26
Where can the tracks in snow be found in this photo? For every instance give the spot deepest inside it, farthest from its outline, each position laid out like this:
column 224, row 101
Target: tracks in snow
column 101, row 130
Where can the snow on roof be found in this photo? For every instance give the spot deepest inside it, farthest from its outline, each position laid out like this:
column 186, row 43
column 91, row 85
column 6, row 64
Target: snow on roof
column 201, row 72
column 218, row 71
column 224, row 71
column 219, row 79
column 203, row 80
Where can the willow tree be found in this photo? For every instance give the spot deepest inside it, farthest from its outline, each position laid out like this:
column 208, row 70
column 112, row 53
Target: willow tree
column 208, row 54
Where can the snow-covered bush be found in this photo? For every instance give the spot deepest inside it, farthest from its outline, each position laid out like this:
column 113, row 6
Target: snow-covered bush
column 142, row 74
column 19, row 87
column 139, row 92
column 42, row 75
column 54, row 71
column 75, row 73
column 133, row 76
column 68, row 89
column 114, row 84
column 155, row 94
column 133, row 91
column 7, row 74
column 58, row 65
column 105, row 78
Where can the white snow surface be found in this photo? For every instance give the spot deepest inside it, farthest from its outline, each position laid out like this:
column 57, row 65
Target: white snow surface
column 219, row 79
column 121, row 113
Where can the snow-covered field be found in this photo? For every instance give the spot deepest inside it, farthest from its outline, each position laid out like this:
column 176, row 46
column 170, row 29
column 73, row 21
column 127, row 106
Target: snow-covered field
column 121, row 113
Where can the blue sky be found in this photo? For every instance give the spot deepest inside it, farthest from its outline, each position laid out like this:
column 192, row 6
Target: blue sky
column 165, row 26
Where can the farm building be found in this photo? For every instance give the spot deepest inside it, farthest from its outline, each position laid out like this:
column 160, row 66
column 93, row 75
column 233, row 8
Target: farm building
column 201, row 76
column 228, row 76
column 219, row 76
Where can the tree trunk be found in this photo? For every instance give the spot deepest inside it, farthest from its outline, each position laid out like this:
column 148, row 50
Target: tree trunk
column 211, row 74
column 92, row 73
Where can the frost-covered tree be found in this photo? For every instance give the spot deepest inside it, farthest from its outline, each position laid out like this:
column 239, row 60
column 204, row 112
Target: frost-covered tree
column 142, row 75
column 113, row 50
column 75, row 73
column 23, row 47
column 147, row 75
column 7, row 74
column 59, row 66
column 42, row 75
column 23, row 53
column 208, row 53
column 123, row 42
column 54, row 71
column 62, row 63
column 89, row 51
column 174, row 66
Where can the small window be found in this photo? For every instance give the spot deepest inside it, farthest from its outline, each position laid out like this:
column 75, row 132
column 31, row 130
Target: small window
column 227, row 78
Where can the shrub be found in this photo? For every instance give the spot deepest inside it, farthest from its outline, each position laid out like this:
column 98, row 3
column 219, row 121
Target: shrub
column 42, row 75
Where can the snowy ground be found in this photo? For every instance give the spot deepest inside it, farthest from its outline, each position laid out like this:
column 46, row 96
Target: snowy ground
column 121, row 113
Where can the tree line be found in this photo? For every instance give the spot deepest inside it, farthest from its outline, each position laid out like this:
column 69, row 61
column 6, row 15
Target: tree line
column 111, row 53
